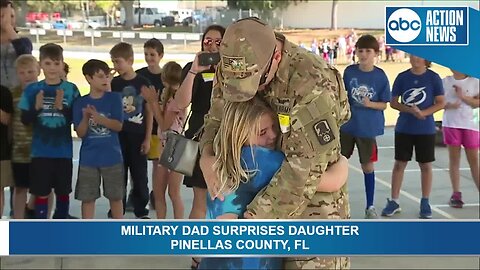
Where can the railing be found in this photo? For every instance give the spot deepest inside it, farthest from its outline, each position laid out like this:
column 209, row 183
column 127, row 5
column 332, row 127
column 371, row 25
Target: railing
column 121, row 35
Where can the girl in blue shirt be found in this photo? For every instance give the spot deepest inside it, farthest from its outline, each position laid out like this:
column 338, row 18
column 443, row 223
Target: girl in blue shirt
column 246, row 162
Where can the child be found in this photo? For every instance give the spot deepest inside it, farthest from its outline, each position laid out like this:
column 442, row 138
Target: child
column 98, row 118
column 250, row 129
column 421, row 95
column 47, row 105
column 6, row 110
column 170, row 118
column 28, row 71
column 137, row 125
column 368, row 93
column 460, row 127
column 153, row 50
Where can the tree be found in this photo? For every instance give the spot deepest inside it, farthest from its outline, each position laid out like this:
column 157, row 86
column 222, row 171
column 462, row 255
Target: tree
column 128, row 6
column 110, row 8
column 261, row 5
column 333, row 25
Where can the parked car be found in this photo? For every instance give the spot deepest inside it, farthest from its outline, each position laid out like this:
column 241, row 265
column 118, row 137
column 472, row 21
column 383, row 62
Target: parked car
column 60, row 25
column 187, row 21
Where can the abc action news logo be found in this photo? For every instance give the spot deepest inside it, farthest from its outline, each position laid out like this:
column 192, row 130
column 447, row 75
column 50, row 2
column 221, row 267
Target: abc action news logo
column 426, row 26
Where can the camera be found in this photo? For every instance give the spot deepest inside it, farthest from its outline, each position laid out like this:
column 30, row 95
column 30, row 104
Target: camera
column 208, row 59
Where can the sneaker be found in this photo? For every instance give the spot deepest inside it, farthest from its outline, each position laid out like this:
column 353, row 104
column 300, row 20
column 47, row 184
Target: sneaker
column 129, row 205
column 371, row 213
column 152, row 200
column 391, row 208
column 143, row 217
column 425, row 210
column 456, row 200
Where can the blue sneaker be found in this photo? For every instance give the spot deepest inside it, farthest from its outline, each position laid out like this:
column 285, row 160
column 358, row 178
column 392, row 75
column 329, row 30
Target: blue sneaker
column 391, row 208
column 425, row 210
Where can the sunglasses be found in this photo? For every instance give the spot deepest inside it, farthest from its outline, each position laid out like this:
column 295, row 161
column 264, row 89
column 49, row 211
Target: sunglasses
column 209, row 41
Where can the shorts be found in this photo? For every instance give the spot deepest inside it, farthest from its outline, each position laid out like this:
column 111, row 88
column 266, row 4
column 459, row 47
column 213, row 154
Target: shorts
column 6, row 177
column 196, row 180
column 424, row 147
column 459, row 136
column 154, row 152
column 21, row 174
column 367, row 147
column 89, row 179
column 48, row 173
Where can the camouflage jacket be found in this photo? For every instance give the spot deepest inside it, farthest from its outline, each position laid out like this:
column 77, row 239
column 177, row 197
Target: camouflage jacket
column 310, row 98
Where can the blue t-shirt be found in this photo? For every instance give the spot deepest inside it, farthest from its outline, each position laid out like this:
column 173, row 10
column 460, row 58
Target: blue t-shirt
column 133, row 103
column 100, row 146
column 365, row 122
column 419, row 90
column 266, row 163
column 52, row 135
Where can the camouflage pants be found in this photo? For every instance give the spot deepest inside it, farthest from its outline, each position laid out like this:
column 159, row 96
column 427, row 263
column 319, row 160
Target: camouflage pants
column 324, row 206
column 317, row 263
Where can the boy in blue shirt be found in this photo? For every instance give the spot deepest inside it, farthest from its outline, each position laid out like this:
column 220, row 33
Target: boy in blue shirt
column 47, row 105
column 137, row 125
column 368, row 93
column 421, row 94
column 98, row 117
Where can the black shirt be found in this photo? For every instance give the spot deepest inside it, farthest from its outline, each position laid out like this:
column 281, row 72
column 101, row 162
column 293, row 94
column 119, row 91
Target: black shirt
column 156, row 81
column 6, row 105
column 133, row 103
column 201, row 95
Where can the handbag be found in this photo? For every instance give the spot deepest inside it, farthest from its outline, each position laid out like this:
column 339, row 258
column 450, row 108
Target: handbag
column 179, row 153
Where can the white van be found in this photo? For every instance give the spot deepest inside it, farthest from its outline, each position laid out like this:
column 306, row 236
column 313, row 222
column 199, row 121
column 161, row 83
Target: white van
column 181, row 14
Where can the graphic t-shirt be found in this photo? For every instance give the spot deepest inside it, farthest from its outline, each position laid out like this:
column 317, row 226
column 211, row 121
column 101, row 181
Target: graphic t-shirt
column 419, row 90
column 266, row 163
column 365, row 122
column 22, row 134
column 156, row 81
column 134, row 105
column 6, row 106
column 465, row 117
column 100, row 146
column 52, row 136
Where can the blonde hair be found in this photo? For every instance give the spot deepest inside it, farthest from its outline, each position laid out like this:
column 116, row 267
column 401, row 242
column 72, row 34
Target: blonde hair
column 172, row 75
column 240, row 120
column 25, row 61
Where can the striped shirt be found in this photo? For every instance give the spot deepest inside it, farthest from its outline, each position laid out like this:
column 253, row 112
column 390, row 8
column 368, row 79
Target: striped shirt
column 22, row 135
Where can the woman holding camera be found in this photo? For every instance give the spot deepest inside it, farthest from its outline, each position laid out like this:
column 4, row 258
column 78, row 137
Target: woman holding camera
column 196, row 89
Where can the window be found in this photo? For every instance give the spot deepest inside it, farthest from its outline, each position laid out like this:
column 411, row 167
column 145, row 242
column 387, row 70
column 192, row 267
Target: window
column 149, row 11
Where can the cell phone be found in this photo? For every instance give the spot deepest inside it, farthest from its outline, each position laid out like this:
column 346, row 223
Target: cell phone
column 208, row 59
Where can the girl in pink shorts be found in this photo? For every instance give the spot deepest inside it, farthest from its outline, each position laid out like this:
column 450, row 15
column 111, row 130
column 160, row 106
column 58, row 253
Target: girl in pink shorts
column 461, row 128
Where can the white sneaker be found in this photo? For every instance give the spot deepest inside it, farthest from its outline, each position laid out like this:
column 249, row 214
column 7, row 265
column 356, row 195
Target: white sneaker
column 371, row 213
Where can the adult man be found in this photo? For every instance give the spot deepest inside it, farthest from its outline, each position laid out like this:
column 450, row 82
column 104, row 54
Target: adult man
column 311, row 102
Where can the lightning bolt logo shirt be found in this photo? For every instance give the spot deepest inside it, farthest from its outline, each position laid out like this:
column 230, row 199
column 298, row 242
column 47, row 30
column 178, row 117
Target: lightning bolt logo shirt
column 420, row 91
column 52, row 135
column 374, row 85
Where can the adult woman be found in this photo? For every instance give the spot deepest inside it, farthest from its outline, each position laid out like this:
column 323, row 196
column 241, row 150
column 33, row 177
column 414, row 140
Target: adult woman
column 11, row 45
column 196, row 88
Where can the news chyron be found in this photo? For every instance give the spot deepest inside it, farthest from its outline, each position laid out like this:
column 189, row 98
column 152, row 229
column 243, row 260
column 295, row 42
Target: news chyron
column 420, row 26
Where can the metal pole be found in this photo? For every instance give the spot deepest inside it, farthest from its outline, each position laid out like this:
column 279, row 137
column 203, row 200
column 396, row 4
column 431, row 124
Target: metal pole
column 65, row 37
column 185, row 41
column 38, row 38
column 92, row 39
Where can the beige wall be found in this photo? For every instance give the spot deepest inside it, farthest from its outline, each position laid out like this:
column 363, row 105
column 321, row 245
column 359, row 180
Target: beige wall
column 357, row 14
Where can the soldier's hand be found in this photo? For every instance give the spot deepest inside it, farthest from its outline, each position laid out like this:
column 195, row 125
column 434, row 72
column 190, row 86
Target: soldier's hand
column 39, row 100
column 206, row 164
column 248, row 215
column 59, row 99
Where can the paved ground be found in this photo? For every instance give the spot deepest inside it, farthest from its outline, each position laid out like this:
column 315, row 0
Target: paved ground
column 409, row 202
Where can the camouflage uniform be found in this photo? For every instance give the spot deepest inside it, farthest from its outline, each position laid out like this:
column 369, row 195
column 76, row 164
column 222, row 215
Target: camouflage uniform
column 311, row 94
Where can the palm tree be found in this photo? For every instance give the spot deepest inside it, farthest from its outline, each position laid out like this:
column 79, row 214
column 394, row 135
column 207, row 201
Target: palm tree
column 333, row 25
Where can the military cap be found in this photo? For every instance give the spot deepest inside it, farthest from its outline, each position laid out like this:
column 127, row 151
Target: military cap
column 246, row 51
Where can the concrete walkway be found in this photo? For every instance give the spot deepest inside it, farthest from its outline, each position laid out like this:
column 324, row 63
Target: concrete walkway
column 409, row 202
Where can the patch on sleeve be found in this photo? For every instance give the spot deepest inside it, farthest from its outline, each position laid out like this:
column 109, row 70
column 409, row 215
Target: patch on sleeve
column 324, row 132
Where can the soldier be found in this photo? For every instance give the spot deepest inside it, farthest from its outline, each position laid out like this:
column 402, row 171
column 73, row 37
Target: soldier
column 309, row 97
